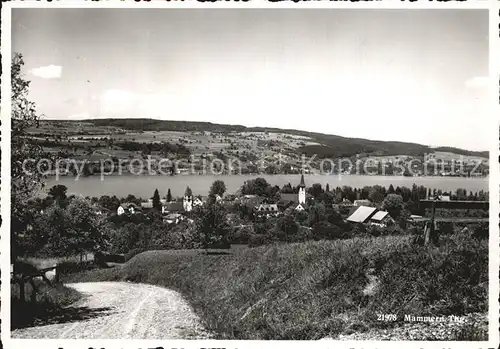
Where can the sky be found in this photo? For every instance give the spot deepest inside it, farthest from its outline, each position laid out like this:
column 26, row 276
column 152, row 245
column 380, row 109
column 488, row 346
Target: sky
column 399, row 75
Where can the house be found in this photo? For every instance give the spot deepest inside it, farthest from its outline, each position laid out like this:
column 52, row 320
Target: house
column 128, row 208
column 267, row 210
column 289, row 197
column 250, row 201
column 361, row 214
column 173, row 206
column 149, row 204
column 173, row 218
column 346, row 202
column 382, row 219
column 101, row 211
column 444, row 197
column 362, row 203
column 199, row 201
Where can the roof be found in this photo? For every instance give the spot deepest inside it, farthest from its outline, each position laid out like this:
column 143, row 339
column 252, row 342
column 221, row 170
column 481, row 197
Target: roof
column 362, row 202
column 302, row 183
column 173, row 216
column 127, row 205
column 174, row 206
column 304, row 206
column 147, row 204
column 379, row 215
column 289, row 197
column 253, row 201
column 267, row 207
column 362, row 214
column 101, row 208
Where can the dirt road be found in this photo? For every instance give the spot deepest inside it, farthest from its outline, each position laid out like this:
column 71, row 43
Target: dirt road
column 122, row 310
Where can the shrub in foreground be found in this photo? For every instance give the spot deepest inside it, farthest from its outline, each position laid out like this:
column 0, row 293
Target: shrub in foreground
column 49, row 304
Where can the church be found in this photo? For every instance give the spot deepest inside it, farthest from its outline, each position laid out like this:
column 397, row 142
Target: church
column 298, row 199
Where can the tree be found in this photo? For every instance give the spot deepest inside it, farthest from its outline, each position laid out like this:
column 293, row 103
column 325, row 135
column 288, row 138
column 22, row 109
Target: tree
column 110, row 203
column 218, row 188
column 316, row 190
column 50, row 233
column 25, row 157
column 391, row 189
column 212, row 227
column 258, row 186
column 393, row 204
column 58, row 192
column 156, row 200
column 317, row 214
column 86, row 229
column 169, row 195
column 324, row 230
column 376, row 195
column 327, row 187
column 188, row 192
column 288, row 227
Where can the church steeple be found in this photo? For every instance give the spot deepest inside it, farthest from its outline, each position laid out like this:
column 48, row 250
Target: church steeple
column 302, row 190
column 302, row 183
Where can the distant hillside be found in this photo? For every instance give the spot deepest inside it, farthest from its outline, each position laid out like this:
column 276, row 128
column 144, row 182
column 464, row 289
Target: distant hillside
column 330, row 145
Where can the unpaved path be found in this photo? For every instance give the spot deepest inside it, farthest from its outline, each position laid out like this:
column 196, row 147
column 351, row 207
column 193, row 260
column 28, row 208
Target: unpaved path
column 122, row 310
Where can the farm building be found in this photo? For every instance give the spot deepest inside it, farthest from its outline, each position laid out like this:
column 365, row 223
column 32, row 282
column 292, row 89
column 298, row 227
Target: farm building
column 362, row 203
column 361, row 214
column 381, row 218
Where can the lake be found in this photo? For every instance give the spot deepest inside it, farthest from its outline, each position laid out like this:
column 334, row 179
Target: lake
column 144, row 186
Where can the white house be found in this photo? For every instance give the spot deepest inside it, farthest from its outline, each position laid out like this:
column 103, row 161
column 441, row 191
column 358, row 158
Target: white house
column 198, row 202
column 362, row 203
column 174, row 218
column 128, row 208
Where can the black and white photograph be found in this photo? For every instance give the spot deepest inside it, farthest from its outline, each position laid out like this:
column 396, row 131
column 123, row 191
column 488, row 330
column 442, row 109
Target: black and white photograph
column 249, row 174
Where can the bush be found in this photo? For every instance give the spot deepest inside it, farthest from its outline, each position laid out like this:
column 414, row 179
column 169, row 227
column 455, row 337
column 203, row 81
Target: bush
column 50, row 304
column 258, row 240
column 446, row 228
column 241, row 235
column 481, row 232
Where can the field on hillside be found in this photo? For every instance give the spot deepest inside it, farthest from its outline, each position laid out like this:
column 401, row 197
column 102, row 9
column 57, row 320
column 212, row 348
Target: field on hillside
column 231, row 139
column 314, row 290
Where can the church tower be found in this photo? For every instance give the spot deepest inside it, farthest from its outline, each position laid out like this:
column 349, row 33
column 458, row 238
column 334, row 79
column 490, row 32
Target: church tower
column 302, row 190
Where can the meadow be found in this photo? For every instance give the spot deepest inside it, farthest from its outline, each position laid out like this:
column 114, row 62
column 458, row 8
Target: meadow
column 314, row 290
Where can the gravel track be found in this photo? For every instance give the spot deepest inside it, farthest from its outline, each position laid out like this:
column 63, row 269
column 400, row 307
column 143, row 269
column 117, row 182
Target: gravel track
column 122, row 310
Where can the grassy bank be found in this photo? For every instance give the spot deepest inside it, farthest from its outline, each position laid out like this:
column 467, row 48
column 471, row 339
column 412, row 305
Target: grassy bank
column 319, row 289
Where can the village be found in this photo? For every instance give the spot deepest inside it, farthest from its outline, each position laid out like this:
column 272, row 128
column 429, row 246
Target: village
column 185, row 208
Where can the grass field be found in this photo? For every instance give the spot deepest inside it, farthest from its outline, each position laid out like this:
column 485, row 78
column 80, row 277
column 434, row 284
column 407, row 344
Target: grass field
column 319, row 289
